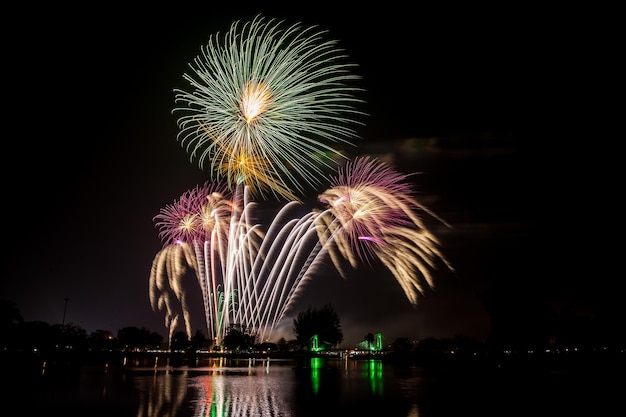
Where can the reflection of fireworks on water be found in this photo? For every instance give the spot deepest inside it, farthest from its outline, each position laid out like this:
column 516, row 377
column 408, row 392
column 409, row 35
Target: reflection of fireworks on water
column 242, row 391
column 163, row 394
column 266, row 107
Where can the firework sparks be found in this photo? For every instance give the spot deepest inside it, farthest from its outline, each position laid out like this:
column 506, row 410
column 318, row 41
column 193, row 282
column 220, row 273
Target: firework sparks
column 373, row 215
column 246, row 277
column 268, row 105
column 167, row 289
column 198, row 214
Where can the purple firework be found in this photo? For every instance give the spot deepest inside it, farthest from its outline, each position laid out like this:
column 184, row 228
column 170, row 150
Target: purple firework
column 372, row 214
column 195, row 214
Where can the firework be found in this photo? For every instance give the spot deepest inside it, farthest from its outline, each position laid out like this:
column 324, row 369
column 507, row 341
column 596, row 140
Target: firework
column 246, row 276
column 197, row 215
column 167, row 287
column 372, row 214
column 268, row 105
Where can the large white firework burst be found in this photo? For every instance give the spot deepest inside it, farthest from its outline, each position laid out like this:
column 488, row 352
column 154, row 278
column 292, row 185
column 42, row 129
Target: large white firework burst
column 268, row 106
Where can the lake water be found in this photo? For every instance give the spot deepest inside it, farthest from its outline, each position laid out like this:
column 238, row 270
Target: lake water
column 221, row 387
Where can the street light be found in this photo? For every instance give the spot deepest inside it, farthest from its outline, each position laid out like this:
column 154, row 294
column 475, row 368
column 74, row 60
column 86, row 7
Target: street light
column 65, row 310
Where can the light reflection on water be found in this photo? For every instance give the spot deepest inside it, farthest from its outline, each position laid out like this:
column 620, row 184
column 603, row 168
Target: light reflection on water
column 261, row 388
column 262, row 393
column 306, row 387
column 161, row 394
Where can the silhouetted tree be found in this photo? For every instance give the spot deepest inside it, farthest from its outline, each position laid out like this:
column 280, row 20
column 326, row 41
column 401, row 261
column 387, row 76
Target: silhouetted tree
column 282, row 345
column 102, row 341
column 36, row 336
column 324, row 323
column 180, row 341
column 369, row 338
column 402, row 345
column 199, row 341
column 238, row 338
column 267, row 347
column 466, row 345
column 134, row 338
column 70, row 336
column 155, row 341
column 10, row 320
column 9, row 313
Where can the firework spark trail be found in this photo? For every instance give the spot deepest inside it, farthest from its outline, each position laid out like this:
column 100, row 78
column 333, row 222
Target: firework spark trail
column 243, row 243
column 265, row 279
column 169, row 267
column 285, row 257
column 208, row 298
column 234, row 242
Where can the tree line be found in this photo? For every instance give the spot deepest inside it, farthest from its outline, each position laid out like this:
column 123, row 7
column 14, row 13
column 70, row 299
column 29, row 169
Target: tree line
column 16, row 334
column 323, row 323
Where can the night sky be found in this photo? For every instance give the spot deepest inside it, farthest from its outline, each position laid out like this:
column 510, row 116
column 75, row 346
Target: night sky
column 92, row 157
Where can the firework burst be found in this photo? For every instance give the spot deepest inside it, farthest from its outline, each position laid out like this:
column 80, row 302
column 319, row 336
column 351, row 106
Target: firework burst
column 196, row 215
column 268, row 105
column 372, row 214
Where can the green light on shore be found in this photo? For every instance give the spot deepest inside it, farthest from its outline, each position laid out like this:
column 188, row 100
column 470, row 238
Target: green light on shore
column 315, row 344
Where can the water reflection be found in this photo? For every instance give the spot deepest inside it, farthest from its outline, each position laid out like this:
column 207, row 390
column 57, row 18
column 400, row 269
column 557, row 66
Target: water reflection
column 304, row 387
column 316, row 364
column 233, row 388
column 375, row 376
column 239, row 395
column 258, row 392
column 161, row 395
column 221, row 388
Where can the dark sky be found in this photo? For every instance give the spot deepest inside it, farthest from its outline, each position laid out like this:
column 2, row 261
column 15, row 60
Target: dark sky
column 92, row 157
